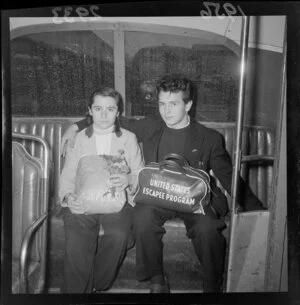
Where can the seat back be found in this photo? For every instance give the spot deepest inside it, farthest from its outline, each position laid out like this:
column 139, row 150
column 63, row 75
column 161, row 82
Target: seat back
column 50, row 129
column 30, row 198
column 26, row 198
column 256, row 140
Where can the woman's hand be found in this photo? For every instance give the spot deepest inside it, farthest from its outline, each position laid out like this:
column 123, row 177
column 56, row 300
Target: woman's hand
column 119, row 181
column 72, row 201
column 68, row 139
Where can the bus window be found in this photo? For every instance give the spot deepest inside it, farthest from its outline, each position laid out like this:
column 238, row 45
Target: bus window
column 212, row 67
column 54, row 73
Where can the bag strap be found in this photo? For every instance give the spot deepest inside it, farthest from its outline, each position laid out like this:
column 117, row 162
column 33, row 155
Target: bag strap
column 176, row 157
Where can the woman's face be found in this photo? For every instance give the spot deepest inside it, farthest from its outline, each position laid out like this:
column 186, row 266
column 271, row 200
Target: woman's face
column 104, row 111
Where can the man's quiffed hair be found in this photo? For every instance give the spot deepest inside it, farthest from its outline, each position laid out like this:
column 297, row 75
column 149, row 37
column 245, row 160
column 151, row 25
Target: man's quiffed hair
column 175, row 83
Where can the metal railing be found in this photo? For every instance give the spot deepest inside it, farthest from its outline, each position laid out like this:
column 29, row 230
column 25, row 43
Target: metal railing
column 37, row 223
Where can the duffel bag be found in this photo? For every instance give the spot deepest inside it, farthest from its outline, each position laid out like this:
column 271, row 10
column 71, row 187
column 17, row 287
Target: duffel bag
column 174, row 186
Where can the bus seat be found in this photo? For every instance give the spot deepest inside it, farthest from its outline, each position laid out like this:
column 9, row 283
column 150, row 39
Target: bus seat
column 30, row 180
column 257, row 140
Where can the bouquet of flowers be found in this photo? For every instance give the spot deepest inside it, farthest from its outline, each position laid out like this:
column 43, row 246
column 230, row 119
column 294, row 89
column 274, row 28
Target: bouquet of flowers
column 115, row 164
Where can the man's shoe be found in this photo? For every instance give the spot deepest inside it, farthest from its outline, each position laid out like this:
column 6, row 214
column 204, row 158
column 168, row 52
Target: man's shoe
column 160, row 288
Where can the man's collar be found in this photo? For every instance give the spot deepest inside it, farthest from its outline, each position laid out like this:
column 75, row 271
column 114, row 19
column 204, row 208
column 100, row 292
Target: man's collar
column 186, row 125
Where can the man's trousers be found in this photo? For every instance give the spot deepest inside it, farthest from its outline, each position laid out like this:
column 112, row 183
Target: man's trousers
column 203, row 230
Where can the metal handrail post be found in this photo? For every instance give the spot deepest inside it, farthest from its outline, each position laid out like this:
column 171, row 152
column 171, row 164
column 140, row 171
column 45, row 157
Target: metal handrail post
column 237, row 152
column 240, row 113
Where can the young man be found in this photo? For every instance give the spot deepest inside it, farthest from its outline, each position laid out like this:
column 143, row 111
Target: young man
column 175, row 132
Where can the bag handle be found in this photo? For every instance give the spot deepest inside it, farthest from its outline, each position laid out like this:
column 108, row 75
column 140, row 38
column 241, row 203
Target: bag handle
column 171, row 165
column 176, row 157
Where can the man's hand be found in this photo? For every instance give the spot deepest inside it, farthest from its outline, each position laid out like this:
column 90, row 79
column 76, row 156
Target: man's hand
column 68, row 139
column 73, row 203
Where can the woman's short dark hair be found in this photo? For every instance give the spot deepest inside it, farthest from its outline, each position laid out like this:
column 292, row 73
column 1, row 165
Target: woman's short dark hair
column 176, row 83
column 108, row 91
column 111, row 92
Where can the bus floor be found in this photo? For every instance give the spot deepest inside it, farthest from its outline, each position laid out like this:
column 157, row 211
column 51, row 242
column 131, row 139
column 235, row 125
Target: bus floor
column 180, row 263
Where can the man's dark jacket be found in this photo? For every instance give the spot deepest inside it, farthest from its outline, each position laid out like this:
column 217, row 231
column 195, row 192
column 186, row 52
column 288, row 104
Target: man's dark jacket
column 204, row 148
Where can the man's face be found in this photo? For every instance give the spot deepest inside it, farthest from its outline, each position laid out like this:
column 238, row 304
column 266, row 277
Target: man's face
column 173, row 110
column 104, row 111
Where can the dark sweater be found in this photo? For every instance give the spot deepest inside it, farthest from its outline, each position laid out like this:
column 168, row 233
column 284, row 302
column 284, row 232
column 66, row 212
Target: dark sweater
column 172, row 141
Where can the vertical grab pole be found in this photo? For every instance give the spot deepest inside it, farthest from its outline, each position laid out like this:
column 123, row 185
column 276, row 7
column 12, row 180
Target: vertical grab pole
column 240, row 113
column 237, row 159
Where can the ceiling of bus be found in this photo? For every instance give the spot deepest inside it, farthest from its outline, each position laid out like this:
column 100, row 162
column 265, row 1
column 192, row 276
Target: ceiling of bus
column 266, row 32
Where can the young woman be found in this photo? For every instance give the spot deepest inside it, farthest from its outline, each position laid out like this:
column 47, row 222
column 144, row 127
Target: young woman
column 87, row 265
